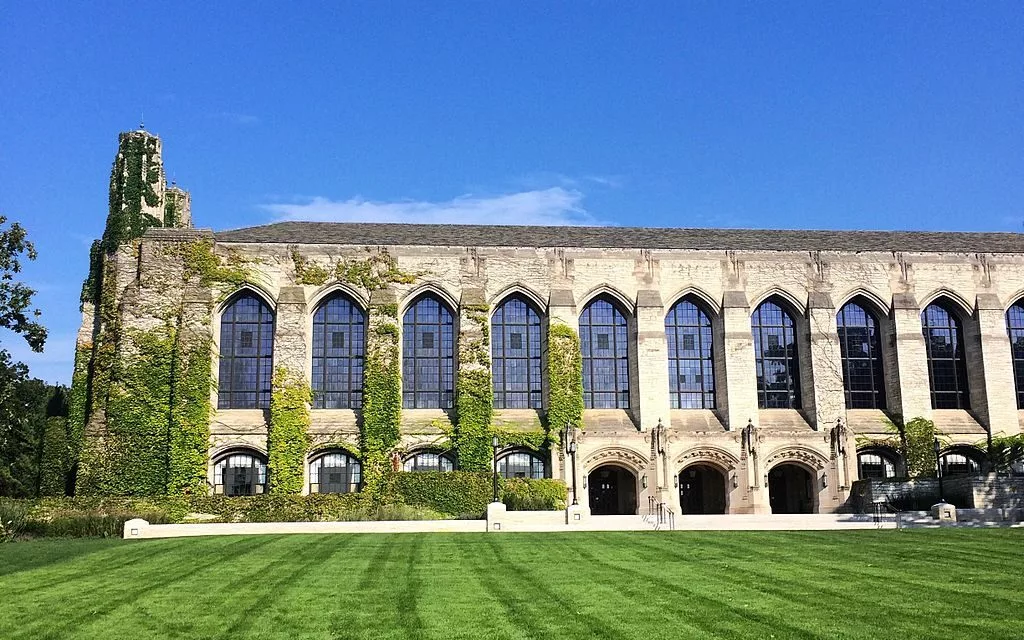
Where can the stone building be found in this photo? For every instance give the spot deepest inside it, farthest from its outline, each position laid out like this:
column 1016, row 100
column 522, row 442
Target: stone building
column 723, row 371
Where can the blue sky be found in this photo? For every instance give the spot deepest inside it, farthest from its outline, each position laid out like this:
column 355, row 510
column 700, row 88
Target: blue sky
column 805, row 115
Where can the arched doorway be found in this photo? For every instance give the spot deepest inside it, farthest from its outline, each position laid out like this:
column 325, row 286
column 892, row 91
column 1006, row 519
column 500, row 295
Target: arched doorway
column 701, row 490
column 791, row 489
column 612, row 491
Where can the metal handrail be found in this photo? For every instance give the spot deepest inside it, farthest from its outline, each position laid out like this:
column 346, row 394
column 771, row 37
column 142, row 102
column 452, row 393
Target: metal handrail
column 881, row 509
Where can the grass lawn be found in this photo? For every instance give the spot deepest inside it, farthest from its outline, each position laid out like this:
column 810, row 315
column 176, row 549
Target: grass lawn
column 852, row 584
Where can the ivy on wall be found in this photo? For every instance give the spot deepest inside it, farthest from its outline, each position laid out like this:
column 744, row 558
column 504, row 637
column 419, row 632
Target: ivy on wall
column 915, row 440
column 190, row 415
column 55, row 458
column 382, row 399
column 372, row 273
column 133, row 180
column 288, row 436
column 565, row 376
column 474, row 395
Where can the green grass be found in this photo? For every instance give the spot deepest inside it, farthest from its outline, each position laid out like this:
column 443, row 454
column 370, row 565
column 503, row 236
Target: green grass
column 857, row 584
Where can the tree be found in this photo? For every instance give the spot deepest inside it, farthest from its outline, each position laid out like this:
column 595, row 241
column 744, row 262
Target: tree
column 22, row 401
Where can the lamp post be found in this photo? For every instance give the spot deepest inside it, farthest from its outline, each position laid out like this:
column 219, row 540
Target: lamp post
column 495, row 444
column 572, row 452
column 938, row 469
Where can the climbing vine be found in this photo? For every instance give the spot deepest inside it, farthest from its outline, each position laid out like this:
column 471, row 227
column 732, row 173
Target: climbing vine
column 190, row 415
column 382, row 400
column 288, row 437
column 133, row 180
column 372, row 273
column 535, row 439
column 565, row 375
column 474, row 395
column 915, row 440
column 200, row 262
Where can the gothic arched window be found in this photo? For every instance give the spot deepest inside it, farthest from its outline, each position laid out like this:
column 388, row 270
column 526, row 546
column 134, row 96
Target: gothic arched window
column 515, row 355
column 428, row 461
column 240, row 473
column 691, row 370
column 1015, row 326
column 947, row 368
column 246, row 354
column 521, row 464
column 776, row 358
column 427, row 355
column 334, row 472
column 339, row 332
column 861, row 347
column 605, row 353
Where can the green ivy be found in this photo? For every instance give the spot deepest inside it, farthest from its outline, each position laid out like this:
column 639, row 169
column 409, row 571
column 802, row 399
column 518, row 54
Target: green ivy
column 915, row 440
column 190, row 415
column 382, row 401
column 565, row 376
column 78, row 401
column 288, row 436
column 207, row 268
column 90, row 288
column 133, row 180
column 375, row 272
column 56, row 460
column 534, row 439
column 474, row 395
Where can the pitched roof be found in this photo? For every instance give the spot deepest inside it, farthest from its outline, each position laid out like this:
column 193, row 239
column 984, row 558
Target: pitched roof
column 360, row 233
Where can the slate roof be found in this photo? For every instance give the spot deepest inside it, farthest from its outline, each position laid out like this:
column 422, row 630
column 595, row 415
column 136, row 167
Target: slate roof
column 359, row 233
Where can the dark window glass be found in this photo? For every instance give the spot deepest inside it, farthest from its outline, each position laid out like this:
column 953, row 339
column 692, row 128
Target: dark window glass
column 959, row 463
column 861, row 347
column 691, row 376
column 339, row 328
column 947, row 369
column 240, row 474
column 246, row 354
column 605, row 356
column 334, row 473
column 775, row 357
column 515, row 361
column 427, row 355
column 1015, row 325
column 428, row 461
column 875, row 465
column 521, row 464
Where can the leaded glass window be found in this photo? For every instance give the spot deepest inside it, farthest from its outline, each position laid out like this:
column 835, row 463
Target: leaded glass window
column 947, row 368
column 861, row 347
column 335, row 472
column 691, row 369
column 521, row 464
column 1015, row 325
column 428, row 461
column 339, row 342
column 515, row 355
column 958, row 463
column 246, row 354
column 776, row 358
column 605, row 353
column 875, row 465
column 240, row 474
column 427, row 355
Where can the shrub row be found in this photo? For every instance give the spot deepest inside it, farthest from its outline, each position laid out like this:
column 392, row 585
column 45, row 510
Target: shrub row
column 418, row 496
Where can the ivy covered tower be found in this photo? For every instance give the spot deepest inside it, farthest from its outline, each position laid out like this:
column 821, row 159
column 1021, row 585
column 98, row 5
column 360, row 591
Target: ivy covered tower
column 144, row 320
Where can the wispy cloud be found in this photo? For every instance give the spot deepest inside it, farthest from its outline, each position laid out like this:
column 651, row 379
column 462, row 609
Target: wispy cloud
column 242, row 119
column 552, row 206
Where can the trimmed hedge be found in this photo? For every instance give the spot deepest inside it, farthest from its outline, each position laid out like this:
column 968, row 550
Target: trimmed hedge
column 466, row 494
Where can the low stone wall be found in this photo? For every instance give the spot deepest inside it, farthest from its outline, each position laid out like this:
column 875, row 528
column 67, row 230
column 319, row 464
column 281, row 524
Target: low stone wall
column 965, row 492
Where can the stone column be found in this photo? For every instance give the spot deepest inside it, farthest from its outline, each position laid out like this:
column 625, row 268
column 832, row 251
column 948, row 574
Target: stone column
column 826, row 362
column 740, row 378
column 911, row 359
column 652, row 358
column 290, row 339
column 562, row 308
column 995, row 402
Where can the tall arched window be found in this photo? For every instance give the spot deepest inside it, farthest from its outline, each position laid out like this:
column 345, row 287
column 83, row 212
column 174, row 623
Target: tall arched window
column 605, row 352
column 334, row 472
column 776, row 358
column 1015, row 325
column 240, row 473
column 947, row 369
column 338, row 346
column 246, row 354
column 691, row 371
column 427, row 355
column 515, row 355
column 861, row 346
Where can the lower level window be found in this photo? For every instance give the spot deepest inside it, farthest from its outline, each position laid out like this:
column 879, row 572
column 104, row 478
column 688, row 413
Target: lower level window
column 240, row 474
column 521, row 464
column 334, row 473
column 959, row 464
column 429, row 461
column 875, row 465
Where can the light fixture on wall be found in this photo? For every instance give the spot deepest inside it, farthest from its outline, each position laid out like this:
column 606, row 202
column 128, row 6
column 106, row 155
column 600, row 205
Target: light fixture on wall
column 735, row 480
column 675, row 482
column 824, row 480
column 643, row 481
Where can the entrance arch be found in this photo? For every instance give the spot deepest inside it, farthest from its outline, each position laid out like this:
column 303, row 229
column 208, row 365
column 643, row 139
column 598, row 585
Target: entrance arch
column 702, row 490
column 612, row 490
column 791, row 488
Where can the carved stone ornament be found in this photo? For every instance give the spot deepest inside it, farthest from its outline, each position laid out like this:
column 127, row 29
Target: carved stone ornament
column 718, row 457
column 626, row 457
column 809, row 457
